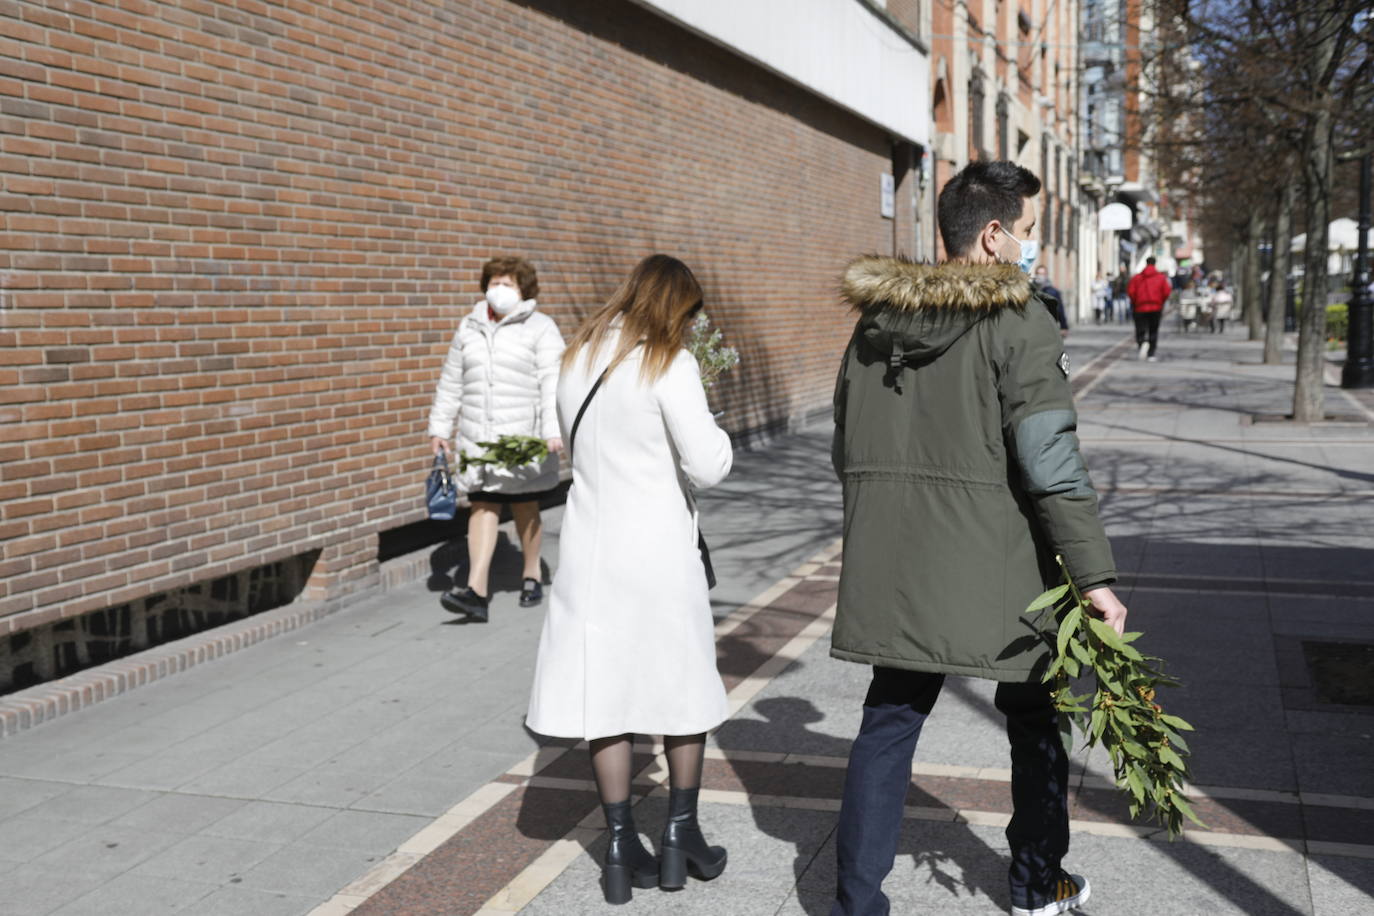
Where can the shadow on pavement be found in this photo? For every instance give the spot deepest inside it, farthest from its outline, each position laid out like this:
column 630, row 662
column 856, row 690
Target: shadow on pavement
column 977, row 868
column 449, row 566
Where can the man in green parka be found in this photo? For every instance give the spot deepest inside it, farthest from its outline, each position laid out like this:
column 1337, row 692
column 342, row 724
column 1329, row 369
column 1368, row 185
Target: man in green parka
column 955, row 443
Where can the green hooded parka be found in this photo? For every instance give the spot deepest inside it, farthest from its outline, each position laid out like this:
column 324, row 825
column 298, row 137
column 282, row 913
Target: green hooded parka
column 955, row 443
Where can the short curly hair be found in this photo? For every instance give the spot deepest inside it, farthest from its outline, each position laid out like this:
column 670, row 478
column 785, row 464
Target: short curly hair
column 519, row 268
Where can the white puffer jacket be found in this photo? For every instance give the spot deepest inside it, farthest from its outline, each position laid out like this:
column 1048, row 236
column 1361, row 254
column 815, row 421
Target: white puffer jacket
column 501, row 379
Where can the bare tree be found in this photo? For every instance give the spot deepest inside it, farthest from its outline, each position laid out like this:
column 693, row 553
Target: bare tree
column 1281, row 84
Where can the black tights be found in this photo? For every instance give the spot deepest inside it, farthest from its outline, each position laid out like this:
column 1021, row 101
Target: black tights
column 612, row 759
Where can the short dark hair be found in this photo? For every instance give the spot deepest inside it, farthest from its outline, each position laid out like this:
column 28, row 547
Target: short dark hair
column 980, row 193
column 519, row 268
column 1150, row 261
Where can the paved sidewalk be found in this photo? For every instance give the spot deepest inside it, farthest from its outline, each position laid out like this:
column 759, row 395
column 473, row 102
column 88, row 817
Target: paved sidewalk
column 263, row 782
column 381, row 752
column 1240, row 541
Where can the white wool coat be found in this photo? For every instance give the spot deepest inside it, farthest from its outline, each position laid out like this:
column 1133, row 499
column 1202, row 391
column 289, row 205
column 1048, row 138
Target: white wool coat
column 1221, row 304
column 501, row 378
column 629, row 641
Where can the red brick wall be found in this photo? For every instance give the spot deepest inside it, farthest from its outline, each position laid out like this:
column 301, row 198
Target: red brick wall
column 237, row 237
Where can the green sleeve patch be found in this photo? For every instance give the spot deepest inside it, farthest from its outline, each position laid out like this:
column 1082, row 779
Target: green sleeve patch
column 1047, row 450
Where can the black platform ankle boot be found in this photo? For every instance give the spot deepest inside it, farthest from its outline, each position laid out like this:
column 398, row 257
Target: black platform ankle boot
column 628, row 863
column 684, row 850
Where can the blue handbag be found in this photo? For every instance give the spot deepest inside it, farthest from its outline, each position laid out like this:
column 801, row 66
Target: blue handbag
column 441, row 496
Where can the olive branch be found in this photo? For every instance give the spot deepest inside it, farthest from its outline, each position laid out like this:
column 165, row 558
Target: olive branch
column 507, row 452
column 1149, row 756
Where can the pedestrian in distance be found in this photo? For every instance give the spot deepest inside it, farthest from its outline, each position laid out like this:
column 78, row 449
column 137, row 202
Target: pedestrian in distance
column 1148, row 291
column 955, row 445
column 1102, row 300
column 1222, row 304
column 628, row 645
column 1052, row 297
column 1121, row 303
column 500, row 378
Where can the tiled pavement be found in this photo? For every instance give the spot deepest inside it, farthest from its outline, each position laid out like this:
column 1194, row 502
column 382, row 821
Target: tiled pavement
column 269, row 780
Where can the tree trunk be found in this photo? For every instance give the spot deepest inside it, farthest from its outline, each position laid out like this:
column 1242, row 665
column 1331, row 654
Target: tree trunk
column 1250, row 279
column 1309, row 394
column 1278, row 272
column 1239, row 305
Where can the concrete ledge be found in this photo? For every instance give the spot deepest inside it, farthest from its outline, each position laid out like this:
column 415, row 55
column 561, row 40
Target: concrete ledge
column 24, row 709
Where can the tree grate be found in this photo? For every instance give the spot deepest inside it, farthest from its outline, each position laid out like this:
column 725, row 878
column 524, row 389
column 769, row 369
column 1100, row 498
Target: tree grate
column 1342, row 672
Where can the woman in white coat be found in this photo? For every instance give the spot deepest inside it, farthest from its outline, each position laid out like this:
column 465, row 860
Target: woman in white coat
column 500, row 378
column 628, row 644
column 1222, row 303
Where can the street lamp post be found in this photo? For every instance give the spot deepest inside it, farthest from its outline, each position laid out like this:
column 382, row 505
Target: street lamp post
column 1359, row 354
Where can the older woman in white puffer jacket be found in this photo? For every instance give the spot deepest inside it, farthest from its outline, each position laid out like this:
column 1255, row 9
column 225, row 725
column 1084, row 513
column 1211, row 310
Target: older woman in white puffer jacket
column 500, row 378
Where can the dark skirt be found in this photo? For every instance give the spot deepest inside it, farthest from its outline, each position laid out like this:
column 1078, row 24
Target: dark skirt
column 505, row 499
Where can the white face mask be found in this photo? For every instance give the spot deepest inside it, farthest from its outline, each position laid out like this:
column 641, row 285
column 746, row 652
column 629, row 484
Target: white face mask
column 1030, row 250
column 502, row 299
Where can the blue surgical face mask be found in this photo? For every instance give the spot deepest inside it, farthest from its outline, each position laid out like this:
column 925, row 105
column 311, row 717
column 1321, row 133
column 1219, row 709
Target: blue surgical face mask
column 1030, row 250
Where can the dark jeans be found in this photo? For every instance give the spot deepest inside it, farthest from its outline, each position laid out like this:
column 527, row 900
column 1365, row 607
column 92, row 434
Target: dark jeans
column 1147, row 328
column 879, row 775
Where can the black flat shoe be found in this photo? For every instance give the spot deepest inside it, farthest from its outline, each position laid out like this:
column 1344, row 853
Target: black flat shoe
column 465, row 601
column 532, row 593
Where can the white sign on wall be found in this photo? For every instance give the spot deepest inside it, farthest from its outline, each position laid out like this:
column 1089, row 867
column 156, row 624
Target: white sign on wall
column 887, row 199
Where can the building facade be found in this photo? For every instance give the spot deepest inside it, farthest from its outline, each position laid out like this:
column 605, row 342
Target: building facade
column 237, row 238
column 1005, row 85
column 1119, row 54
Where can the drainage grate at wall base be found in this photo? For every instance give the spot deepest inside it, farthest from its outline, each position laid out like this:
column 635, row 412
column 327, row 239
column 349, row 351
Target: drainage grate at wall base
column 56, row 650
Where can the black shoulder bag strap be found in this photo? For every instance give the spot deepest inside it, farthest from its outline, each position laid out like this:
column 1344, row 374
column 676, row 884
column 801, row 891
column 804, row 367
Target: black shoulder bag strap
column 577, row 421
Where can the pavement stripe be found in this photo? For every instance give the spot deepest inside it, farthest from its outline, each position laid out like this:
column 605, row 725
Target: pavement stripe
column 1086, row 379
column 1362, row 399
column 986, row 818
column 781, row 622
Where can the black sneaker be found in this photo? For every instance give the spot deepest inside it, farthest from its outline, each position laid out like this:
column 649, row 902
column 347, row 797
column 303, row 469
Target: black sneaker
column 465, row 601
column 532, row 593
column 1070, row 891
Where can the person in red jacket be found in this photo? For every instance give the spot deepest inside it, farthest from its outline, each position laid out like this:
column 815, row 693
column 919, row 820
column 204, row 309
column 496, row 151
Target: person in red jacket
column 1148, row 291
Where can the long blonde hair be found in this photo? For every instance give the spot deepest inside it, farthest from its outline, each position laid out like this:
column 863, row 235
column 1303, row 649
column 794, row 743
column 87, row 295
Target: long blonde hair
column 656, row 303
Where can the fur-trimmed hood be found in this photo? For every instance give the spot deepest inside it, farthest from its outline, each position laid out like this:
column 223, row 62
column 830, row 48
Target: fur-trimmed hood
column 913, row 312
column 876, row 281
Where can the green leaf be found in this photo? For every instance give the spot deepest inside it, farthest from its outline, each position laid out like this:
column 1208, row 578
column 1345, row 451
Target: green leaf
column 1080, row 652
column 1177, row 741
column 1067, row 626
column 1168, row 756
column 1047, row 599
column 1107, row 634
column 1135, row 784
column 1098, row 722
column 1181, row 804
column 1175, row 722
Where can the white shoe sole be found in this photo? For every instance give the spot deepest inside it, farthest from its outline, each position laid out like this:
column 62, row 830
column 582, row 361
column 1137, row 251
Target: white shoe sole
column 1059, row 906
